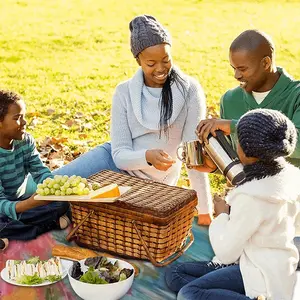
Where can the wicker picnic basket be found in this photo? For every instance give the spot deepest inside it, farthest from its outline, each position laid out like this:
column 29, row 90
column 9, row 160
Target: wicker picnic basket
column 151, row 221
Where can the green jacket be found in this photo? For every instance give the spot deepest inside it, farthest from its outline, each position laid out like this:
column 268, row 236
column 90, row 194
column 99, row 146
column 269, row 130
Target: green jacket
column 284, row 96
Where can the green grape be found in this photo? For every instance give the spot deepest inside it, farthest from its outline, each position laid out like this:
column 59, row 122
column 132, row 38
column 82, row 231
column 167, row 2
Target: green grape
column 69, row 191
column 57, row 193
column 57, row 178
column 50, row 184
column 84, row 181
column 81, row 185
column 67, row 184
column 80, row 192
column 65, row 178
column 40, row 191
column 56, row 186
column 95, row 186
column 40, row 186
column 47, row 180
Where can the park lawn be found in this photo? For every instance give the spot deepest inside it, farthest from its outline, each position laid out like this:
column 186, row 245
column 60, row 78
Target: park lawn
column 66, row 56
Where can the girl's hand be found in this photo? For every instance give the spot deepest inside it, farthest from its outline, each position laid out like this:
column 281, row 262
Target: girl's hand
column 220, row 206
column 159, row 159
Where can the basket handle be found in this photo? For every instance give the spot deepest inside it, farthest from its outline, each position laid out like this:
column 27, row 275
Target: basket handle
column 73, row 231
column 169, row 259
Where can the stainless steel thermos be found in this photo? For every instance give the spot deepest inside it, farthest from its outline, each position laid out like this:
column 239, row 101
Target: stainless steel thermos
column 226, row 159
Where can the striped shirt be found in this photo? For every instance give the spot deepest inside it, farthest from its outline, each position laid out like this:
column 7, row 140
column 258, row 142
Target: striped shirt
column 15, row 165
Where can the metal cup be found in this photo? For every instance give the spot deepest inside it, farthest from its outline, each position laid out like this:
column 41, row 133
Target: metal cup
column 193, row 153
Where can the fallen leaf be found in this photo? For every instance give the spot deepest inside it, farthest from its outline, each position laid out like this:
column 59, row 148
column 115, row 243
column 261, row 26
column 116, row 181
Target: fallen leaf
column 55, row 163
column 50, row 111
column 78, row 115
column 83, row 135
column 69, row 123
column 88, row 126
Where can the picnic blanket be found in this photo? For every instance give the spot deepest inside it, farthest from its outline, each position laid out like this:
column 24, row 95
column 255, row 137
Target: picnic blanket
column 149, row 284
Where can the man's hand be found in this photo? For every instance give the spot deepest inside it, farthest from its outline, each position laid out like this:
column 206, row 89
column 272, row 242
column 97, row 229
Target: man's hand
column 220, row 206
column 159, row 159
column 205, row 127
column 30, row 203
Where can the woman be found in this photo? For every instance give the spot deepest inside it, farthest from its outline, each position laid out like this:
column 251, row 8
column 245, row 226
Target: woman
column 255, row 254
column 152, row 114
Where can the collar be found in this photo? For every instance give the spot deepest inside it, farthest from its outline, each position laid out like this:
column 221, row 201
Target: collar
column 136, row 84
column 284, row 80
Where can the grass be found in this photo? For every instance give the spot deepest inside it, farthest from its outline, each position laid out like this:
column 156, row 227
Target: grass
column 68, row 55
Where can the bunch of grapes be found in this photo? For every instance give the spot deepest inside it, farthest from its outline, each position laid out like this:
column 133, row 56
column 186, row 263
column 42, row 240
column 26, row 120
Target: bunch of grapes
column 63, row 186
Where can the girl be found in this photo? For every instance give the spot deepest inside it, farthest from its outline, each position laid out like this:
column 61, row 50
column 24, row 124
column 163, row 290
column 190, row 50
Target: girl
column 152, row 114
column 259, row 232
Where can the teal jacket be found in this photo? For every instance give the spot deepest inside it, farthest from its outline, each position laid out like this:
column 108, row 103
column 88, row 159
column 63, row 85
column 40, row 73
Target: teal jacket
column 284, row 96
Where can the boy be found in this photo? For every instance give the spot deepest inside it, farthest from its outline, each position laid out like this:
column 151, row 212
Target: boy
column 22, row 217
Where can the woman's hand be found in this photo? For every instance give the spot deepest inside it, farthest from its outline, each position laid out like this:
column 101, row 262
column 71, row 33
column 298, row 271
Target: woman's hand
column 205, row 127
column 159, row 159
column 220, row 206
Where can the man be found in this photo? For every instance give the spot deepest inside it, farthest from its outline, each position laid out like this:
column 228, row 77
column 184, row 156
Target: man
column 262, row 85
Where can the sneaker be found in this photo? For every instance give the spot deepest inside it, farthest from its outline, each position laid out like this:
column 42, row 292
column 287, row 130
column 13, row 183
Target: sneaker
column 64, row 222
column 3, row 244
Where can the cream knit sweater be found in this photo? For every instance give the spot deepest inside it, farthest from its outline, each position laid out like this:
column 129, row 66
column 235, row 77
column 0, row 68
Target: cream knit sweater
column 135, row 129
column 259, row 233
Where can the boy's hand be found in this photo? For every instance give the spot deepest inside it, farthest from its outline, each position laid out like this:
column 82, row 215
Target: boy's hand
column 159, row 159
column 205, row 127
column 29, row 204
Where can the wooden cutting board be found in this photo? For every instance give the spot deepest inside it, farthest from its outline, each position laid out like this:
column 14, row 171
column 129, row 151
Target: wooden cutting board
column 85, row 198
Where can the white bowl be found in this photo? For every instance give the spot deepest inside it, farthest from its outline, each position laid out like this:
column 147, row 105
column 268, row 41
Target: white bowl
column 110, row 291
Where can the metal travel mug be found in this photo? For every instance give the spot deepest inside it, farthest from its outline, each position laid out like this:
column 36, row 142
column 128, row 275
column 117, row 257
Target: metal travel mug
column 193, row 153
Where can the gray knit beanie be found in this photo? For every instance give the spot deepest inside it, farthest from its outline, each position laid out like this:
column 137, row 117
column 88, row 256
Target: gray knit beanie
column 146, row 32
column 266, row 134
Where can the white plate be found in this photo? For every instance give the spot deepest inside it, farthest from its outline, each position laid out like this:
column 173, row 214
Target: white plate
column 86, row 198
column 66, row 264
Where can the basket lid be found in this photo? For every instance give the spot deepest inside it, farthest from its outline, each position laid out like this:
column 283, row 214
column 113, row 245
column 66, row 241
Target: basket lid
column 146, row 196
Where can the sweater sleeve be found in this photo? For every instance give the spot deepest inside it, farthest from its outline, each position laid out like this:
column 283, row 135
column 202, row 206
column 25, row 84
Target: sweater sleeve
column 196, row 111
column 123, row 154
column 223, row 116
column 7, row 207
column 36, row 167
column 229, row 233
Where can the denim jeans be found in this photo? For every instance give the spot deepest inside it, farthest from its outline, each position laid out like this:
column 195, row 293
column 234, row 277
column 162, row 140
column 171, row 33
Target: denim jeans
column 34, row 222
column 207, row 281
column 96, row 160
